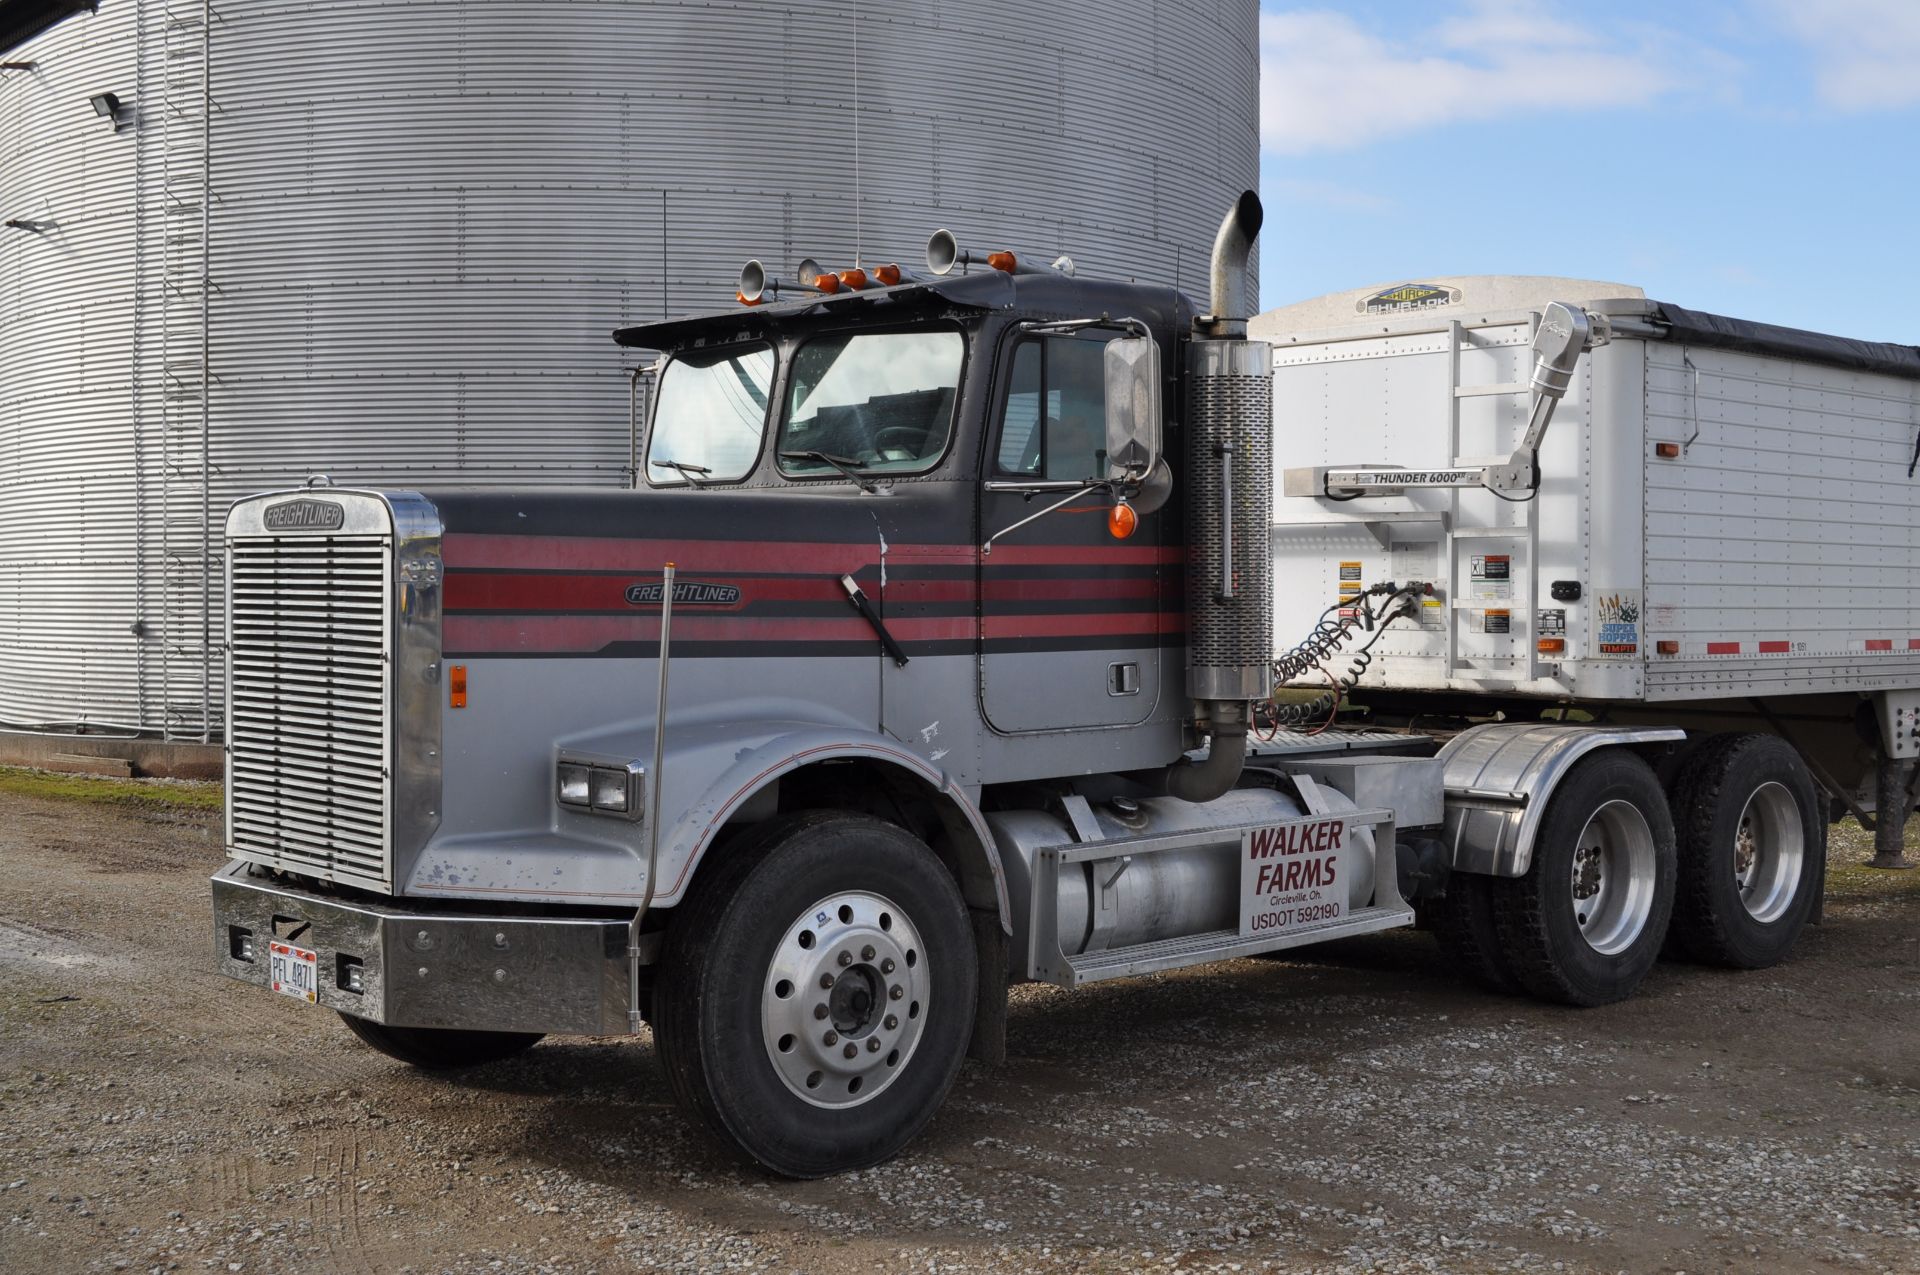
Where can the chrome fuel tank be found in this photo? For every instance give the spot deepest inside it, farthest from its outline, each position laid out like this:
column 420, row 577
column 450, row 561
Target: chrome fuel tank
column 1165, row 895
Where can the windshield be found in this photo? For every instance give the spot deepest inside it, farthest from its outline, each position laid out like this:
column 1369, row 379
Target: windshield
column 880, row 401
column 712, row 413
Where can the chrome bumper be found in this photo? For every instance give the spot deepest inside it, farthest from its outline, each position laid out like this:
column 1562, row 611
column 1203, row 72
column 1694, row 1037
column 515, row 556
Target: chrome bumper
column 422, row 968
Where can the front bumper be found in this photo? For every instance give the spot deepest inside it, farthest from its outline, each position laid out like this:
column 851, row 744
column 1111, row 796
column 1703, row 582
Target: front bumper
column 423, row 968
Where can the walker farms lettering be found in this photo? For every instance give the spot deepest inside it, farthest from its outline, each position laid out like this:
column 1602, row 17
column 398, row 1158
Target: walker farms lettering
column 1290, row 876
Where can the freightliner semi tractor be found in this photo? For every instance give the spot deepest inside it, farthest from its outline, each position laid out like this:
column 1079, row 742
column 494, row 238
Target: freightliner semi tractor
column 932, row 651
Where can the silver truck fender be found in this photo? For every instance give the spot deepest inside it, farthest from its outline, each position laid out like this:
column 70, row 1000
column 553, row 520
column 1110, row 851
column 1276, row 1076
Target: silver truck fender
column 1499, row 777
column 693, row 830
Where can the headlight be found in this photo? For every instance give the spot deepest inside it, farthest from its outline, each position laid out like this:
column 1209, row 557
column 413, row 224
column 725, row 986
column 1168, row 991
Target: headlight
column 602, row 786
column 575, row 783
column 610, row 790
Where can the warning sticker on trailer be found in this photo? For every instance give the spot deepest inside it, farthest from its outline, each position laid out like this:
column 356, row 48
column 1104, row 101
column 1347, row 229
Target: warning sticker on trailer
column 1491, row 575
column 1551, row 622
column 1352, row 584
column 1496, row 622
column 1616, row 615
column 1290, row 876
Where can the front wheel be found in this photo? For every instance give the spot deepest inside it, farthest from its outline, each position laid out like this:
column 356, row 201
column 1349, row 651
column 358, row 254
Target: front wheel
column 1586, row 923
column 440, row 1048
column 818, row 993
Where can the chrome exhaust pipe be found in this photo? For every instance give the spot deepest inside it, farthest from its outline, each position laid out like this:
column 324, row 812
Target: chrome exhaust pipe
column 1231, row 302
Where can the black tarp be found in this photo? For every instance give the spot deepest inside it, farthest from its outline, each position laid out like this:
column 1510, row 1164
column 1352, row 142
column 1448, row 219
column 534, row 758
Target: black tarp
column 1716, row 331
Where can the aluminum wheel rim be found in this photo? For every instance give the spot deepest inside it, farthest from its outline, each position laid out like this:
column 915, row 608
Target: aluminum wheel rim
column 1613, row 877
column 1769, row 851
column 845, row 998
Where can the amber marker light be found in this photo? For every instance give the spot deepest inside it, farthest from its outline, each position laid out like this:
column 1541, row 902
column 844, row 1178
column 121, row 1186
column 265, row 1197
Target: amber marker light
column 1551, row 646
column 1667, row 648
column 1002, row 261
column 457, row 686
column 1122, row 521
column 744, row 299
column 827, row 281
column 855, row 279
column 887, row 275
column 1667, row 451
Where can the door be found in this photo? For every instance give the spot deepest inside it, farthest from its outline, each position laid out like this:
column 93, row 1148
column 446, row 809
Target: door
column 1073, row 622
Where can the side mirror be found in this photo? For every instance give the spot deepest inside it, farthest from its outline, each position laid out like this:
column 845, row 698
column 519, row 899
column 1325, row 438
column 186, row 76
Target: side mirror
column 1133, row 408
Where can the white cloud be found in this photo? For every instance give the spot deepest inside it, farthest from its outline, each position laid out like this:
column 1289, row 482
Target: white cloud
column 1866, row 53
column 1327, row 82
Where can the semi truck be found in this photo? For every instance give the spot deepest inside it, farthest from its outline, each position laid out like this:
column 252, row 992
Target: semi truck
column 933, row 650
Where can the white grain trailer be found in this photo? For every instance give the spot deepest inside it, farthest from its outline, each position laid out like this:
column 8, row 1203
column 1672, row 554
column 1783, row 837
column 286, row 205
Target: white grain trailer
column 1725, row 533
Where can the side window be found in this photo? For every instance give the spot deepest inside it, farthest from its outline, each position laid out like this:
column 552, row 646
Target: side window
column 1055, row 423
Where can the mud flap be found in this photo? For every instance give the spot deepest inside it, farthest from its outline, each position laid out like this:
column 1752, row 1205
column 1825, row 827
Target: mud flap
column 989, row 1043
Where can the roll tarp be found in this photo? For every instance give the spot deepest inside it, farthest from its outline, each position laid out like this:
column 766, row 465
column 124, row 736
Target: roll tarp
column 1717, row 331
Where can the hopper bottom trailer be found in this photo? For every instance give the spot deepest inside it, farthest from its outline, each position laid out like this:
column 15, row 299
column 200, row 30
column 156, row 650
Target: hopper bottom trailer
column 934, row 651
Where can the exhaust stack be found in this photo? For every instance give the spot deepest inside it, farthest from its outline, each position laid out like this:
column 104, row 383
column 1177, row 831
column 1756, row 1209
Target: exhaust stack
column 1229, row 514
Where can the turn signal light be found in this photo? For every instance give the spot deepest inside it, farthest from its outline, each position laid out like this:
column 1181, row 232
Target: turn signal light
column 1002, row 261
column 457, row 686
column 1667, row 451
column 1551, row 646
column 1122, row 521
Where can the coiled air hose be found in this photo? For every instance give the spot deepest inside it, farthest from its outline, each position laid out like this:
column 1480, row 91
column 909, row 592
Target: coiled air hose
column 1331, row 635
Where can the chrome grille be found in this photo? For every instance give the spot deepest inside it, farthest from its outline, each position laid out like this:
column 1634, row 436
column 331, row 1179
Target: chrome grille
column 309, row 783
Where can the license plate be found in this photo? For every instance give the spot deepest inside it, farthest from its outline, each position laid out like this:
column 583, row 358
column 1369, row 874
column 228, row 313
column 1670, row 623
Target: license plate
column 291, row 970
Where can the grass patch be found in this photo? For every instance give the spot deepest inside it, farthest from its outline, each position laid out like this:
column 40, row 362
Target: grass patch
column 1849, row 846
column 175, row 794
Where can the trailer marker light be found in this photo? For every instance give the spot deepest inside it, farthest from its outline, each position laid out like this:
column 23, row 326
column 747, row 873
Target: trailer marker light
column 1551, row 646
column 1122, row 520
column 1667, row 451
column 457, row 686
column 1667, row 648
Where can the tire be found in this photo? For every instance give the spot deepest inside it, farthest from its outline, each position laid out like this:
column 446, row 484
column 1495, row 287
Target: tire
column 1590, row 938
column 1752, row 844
column 439, row 1048
column 1463, row 923
column 754, row 1010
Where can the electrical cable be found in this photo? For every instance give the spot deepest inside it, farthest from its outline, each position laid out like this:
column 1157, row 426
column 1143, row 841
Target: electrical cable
column 1329, row 638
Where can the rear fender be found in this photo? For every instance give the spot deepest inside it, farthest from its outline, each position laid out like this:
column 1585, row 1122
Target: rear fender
column 1499, row 778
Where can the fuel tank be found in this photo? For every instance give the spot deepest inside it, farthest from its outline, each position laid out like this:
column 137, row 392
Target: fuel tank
column 1164, row 895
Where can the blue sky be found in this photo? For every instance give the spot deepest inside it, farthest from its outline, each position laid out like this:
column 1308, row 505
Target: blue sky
column 1758, row 158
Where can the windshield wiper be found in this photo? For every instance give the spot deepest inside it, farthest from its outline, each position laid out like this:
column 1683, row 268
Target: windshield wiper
column 687, row 471
column 848, row 467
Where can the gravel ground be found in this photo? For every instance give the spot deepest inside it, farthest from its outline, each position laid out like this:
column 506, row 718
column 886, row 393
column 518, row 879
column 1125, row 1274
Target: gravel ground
column 1358, row 1110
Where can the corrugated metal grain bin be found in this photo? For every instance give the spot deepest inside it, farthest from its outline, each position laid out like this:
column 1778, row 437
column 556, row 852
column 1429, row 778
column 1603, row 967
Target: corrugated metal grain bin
column 388, row 242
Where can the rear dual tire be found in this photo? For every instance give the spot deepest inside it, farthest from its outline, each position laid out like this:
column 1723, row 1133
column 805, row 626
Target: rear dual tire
column 1587, row 921
column 1752, row 847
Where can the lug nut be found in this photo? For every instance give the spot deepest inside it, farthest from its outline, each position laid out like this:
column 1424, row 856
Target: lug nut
column 895, row 992
column 873, row 1044
column 851, row 1051
column 819, row 1011
column 886, row 966
column 846, row 958
column 866, row 953
column 893, row 1022
column 826, row 982
column 831, row 1038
